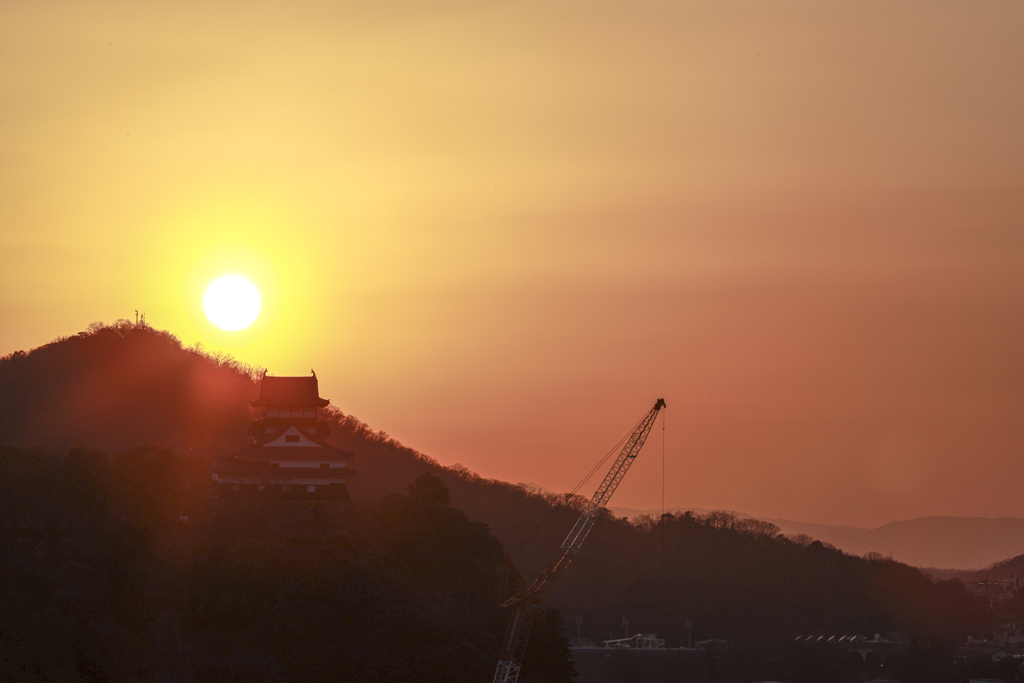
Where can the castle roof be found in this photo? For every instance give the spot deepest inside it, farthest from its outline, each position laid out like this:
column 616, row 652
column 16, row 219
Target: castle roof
column 290, row 391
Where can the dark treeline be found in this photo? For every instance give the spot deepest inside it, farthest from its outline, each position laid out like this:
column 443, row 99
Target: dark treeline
column 742, row 580
column 115, row 387
column 115, row 570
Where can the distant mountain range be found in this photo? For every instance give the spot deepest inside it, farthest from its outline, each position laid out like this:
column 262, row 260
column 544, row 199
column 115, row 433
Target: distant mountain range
column 962, row 543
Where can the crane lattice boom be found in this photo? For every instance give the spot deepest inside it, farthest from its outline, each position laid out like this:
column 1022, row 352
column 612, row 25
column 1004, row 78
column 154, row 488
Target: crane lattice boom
column 527, row 599
column 604, row 492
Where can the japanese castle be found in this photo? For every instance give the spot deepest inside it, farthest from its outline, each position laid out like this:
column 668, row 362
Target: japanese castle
column 289, row 456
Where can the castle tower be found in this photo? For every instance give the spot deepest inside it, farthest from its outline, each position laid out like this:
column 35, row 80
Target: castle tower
column 288, row 456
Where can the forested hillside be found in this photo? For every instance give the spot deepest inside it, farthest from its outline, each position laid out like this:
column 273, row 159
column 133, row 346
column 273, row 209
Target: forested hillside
column 113, row 389
column 113, row 570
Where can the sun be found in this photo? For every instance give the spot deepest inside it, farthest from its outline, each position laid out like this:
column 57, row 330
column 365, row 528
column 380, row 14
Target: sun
column 231, row 302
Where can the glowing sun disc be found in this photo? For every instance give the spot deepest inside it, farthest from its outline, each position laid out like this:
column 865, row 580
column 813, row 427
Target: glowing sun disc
column 231, row 302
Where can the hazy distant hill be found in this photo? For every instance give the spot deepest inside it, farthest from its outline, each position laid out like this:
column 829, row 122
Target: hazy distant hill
column 945, row 542
column 999, row 571
column 962, row 543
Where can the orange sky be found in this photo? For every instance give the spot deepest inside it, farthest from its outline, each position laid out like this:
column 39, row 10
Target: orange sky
column 500, row 231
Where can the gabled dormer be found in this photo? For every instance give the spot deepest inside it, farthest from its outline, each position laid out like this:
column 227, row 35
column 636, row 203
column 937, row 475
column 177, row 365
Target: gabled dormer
column 292, row 438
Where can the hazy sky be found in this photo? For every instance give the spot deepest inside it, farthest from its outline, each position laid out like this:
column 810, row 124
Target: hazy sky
column 500, row 231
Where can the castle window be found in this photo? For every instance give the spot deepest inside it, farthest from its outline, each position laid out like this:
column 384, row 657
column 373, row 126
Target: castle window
column 311, row 488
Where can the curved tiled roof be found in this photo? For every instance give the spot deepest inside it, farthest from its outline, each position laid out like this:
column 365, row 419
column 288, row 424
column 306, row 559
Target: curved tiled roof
column 290, row 391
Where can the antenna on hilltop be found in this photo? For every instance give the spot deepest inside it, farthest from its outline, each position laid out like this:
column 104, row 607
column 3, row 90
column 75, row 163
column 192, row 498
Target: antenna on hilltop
column 136, row 317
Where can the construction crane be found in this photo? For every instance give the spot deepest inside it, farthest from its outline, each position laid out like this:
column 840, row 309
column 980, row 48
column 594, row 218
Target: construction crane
column 528, row 596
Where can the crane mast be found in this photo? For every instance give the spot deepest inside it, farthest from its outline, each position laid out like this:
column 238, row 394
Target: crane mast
column 528, row 597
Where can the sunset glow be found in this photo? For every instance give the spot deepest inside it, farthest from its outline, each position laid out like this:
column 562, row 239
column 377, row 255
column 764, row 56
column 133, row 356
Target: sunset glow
column 495, row 229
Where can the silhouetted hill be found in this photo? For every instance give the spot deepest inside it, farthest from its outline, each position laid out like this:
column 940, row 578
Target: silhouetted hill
column 116, row 387
column 632, row 513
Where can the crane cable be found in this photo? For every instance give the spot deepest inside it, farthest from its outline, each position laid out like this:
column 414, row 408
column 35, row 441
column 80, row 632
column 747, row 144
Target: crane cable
column 554, row 510
column 661, row 523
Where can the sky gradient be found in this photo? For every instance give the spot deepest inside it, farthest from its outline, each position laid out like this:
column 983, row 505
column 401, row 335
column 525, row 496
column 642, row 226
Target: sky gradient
column 500, row 232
